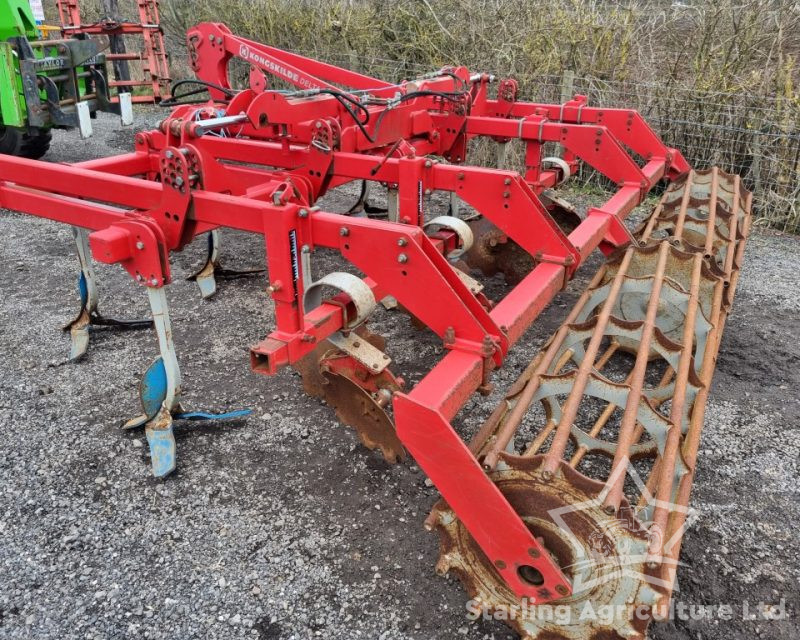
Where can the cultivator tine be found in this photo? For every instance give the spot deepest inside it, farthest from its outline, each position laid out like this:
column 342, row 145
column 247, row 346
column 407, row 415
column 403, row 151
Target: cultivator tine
column 363, row 208
column 206, row 278
column 89, row 316
column 624, row 378
column 160, row 394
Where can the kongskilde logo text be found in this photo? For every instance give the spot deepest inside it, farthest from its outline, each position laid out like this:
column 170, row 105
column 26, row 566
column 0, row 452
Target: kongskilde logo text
column 253, row 56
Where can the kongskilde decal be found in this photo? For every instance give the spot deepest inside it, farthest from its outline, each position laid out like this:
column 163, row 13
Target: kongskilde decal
column 247, row 53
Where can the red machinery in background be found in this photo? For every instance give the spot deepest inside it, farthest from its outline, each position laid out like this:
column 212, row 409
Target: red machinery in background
column 150, row 61
column 258, row 160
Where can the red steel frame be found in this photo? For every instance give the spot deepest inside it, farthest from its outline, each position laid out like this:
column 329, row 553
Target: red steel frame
column 153, row 56
column 289, row 150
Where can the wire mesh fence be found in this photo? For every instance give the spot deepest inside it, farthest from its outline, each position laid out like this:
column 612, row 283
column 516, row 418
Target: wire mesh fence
column 755, row 136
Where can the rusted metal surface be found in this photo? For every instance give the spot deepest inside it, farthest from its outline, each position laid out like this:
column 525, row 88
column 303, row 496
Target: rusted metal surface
column 357, row 394
column 624, row 380
column 587, row 543
column 494, row 252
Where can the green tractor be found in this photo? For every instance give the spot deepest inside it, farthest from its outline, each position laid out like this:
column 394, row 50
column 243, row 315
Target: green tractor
column 47, row 84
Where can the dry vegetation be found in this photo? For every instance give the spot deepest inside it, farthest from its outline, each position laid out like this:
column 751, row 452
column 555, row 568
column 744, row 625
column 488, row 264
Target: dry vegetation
column 717, row 79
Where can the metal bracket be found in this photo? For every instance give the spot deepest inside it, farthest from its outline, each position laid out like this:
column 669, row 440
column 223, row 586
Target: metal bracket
column 361, row 350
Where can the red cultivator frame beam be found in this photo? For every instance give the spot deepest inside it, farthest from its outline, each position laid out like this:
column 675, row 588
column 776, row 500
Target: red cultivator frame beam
column 155, row 76
column 258, row 160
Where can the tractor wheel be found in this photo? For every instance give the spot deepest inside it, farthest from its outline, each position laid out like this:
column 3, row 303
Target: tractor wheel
column 17, row 142
column 34, row 146
column 10, row 141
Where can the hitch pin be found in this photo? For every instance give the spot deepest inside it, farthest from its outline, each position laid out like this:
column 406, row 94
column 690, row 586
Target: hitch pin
column 204, row 126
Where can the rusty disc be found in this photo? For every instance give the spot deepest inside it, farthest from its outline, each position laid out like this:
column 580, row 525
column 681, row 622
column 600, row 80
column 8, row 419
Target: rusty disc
column 354, row 405
column 564, row 214
column 603, row 556
column 357, row 408
column 309, row 369
column 494, row 252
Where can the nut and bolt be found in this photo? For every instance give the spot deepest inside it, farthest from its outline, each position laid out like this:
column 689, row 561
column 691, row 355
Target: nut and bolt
column 344, row 231
column 402, row 242
column 154, row 282
column 402, row 258
column 140, row 245
column 303, row 213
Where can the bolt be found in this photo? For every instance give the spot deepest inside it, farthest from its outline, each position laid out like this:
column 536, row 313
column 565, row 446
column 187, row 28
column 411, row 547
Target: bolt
column 179, row 181
column 344, row 231
column 562, row 590
column 402, row 258
column 303, row 213
column 169, row 155
column 507, row 181
column 460, row 175
column 506, row 194
column 402, row 242
column 154, row 282
column 533, row 553
column 139, row 277
column 427, row 192
column 428, row 164
column 140, row 245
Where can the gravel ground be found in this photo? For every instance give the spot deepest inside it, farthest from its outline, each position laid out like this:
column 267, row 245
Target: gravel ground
column 280, row 525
